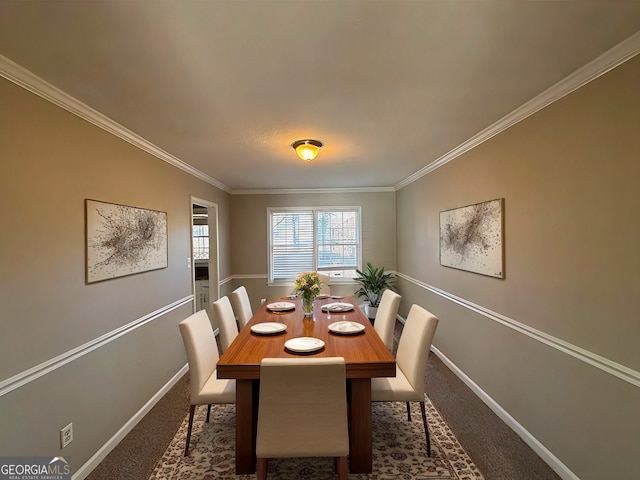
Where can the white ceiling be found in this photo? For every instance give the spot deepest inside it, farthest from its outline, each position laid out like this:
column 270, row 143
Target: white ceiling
column 388, row 86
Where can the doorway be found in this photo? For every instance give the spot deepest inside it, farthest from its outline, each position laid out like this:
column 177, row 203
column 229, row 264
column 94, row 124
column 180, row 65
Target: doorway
column 204, row 254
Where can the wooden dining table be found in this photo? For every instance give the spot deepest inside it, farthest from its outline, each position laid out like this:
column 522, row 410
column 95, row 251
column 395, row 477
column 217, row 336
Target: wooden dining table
column 365, row 356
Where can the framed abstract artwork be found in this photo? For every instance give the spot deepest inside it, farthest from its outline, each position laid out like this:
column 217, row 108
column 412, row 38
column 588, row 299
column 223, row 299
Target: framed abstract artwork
column 471, row 238
column 123, row 240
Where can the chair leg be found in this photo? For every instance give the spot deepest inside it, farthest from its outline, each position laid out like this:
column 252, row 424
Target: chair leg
column 426, row 428
column 342, row 467
column 208, row 412
column 191, row 412
column 408, row 412
column 261, row 468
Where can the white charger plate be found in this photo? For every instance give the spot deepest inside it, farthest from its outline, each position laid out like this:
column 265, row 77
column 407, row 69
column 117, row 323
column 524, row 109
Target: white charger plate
column 346, row 328
column 281, row 306
column 268, row 328
column 304, row 344
column 337, row 307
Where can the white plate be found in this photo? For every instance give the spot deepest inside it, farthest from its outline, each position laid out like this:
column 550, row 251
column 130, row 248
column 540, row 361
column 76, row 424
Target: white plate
column 304, row 344
column 346, row 327
column 281, row 306
column 337, row 297
column 321, row 296
column 337, row 307
column 267, row 328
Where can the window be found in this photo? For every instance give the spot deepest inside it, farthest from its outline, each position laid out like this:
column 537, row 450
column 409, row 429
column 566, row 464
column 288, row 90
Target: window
column 307, row 239
column 200, row 242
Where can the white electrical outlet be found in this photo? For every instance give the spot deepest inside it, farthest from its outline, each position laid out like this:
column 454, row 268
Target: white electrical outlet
column 66, row 435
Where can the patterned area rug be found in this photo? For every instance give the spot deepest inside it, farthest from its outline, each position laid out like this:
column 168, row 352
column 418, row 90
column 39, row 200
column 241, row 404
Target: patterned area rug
column 399, row 450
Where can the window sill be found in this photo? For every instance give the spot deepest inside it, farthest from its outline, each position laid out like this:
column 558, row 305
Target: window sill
column 290, row 283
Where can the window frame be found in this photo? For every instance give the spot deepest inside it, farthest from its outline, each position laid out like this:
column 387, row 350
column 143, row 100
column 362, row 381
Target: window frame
column 314, row 210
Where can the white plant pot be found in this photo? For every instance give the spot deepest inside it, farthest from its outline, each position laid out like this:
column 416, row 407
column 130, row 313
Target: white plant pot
column 370, row 311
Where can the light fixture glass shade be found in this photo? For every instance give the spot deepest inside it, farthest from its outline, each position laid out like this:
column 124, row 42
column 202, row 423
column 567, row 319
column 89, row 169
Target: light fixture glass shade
column 307, row 150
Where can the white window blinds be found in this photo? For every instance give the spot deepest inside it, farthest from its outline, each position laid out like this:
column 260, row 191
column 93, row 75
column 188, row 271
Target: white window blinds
column 301, row 239
column 291, row 243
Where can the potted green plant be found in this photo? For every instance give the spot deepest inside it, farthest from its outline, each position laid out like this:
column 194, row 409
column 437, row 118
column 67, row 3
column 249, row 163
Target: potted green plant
column 373, row 282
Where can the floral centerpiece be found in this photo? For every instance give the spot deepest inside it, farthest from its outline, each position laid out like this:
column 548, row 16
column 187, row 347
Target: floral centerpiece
column 308, row 286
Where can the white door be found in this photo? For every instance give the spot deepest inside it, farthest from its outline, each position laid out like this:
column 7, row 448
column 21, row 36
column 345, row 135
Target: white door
column 204, row 253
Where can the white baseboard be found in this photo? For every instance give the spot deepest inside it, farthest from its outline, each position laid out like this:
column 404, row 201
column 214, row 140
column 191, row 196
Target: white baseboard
column 95, row 460
column 549, row 458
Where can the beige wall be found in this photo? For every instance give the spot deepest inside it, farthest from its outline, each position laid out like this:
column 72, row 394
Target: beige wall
column 249, row 257
column 570, row 177
column 50, row 162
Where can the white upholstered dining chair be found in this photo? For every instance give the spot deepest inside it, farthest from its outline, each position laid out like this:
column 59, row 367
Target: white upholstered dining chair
column 385, row 321
column 302, row 411
column 202, row 355
column 325, row 289
column 242, row 306
column 226, row 322
column 411, row 360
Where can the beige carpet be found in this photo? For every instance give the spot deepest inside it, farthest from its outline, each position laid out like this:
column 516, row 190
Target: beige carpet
column 399, row 450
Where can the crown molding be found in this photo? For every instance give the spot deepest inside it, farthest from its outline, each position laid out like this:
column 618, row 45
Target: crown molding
column 617, row 55
column 29, row 81
column 288, row 191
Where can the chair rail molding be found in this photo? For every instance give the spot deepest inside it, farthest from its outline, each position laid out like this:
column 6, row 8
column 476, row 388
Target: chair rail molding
column 249, row 276
column 22, row 378
column 618, row 370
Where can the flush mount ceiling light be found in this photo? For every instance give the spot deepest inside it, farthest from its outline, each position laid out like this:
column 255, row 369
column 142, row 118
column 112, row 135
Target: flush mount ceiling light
column 307, row 149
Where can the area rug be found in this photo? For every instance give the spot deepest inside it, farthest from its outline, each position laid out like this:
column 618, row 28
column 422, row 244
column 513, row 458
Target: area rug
column 399, row 450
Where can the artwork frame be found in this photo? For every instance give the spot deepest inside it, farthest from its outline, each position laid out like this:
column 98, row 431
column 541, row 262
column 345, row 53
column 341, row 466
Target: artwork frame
column 121, row 240
column 472, row 238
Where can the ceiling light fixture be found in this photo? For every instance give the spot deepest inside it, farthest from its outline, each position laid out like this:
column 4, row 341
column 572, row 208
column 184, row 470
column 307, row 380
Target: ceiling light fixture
column 307, row 149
